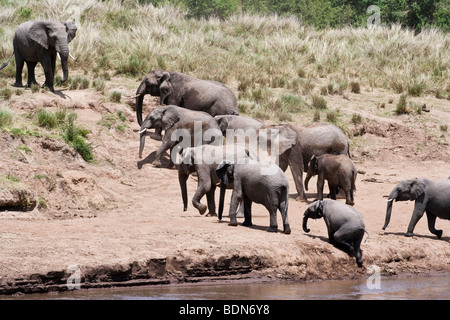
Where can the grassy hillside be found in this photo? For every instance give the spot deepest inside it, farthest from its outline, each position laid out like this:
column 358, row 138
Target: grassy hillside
column 277, row 65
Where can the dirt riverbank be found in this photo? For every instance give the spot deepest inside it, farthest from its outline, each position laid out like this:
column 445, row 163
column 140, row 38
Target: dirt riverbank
column 120, row 221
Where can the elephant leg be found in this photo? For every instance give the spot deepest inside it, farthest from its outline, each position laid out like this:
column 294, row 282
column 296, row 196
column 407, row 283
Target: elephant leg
column 431, row 223
column 295, row 161
column 241, row 211
column 320, row 184
column 236, row 198
column 332, row 191
column 31, row 75
column 204, row 187
column 247, row 205
column 166, row 145
column 419, row 209
column 357, row 246
column 19, row 67
column 341, row 236
column 211, row 201
column 283, row 207
column 46, row 62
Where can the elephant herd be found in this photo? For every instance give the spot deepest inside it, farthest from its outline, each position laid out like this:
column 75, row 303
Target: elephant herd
column 199, row 123
column 206, row 136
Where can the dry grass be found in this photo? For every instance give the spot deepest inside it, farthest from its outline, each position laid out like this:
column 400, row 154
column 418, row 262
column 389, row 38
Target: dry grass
column 261, row 58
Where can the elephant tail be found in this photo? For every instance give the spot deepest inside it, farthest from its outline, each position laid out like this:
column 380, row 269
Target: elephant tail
column 7, row 62
column 368, row 235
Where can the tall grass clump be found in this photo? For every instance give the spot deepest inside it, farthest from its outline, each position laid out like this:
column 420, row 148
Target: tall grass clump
column 6, row 117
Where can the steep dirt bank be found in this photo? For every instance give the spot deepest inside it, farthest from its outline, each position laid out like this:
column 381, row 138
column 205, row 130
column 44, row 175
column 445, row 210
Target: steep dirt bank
column 120, row 220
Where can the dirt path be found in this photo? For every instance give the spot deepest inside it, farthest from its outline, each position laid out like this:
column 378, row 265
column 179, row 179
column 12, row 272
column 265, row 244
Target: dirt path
column 120, row 220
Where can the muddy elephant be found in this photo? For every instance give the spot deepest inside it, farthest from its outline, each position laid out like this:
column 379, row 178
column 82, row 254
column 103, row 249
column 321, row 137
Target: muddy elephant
column 263, row 183
column 430, row 196
column 175, row 88
column 296, row 146
column 338, row 170
column 204, row 160
column 192, row 127
column 40, row 41
column 345, row 225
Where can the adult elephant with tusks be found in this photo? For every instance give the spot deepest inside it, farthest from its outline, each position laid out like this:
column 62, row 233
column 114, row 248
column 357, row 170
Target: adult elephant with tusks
column 41, row 41
column 175, row 88
column 430, row 196
column 179, row 123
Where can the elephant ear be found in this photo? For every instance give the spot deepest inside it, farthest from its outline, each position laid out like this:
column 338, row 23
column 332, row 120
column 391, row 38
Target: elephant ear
column 287, row 136
column 169, row 117
column 165, row 87
column 223, row 172
column 39, row 33
column 319, row 209
column 417, row 188
column 313, row 163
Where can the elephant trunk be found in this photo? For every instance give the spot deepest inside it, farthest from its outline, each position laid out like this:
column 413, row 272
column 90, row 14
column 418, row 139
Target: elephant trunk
column 140, row 93
column 388, row 213
column 182, row 178
column 64, row 64
column 309, row 175
column 305, row 222
column 143, row 133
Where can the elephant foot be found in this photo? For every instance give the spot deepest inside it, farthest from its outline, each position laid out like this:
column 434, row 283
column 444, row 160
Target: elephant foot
column 157, row 163
column 409, row 234
column 247, row 223
column 233, row 223
column 202, row 209
column 350, row 203
column 50, row 87
column 359, row 263
column 211, row 214
column 272, row 229
column 287, row 229
column 438, row 233
column 18, row 85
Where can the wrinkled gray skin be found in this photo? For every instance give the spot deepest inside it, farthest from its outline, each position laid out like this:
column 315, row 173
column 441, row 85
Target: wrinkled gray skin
column 345, row 225
column 175, row 88
column 170, row 119
column 338, row 170
column 204, row 160
column 234, row 122
column 252, row 183
column 297, row 146
column 430, row 196
column 40, row 41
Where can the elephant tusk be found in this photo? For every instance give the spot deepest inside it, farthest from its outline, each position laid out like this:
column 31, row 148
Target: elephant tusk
column 59, row 57
column 70, row 55
column 389, row 200
column 131, row 97
column 143, row 130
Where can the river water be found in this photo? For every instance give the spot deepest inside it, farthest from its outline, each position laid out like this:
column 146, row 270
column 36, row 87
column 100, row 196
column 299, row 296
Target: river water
column 429, row 288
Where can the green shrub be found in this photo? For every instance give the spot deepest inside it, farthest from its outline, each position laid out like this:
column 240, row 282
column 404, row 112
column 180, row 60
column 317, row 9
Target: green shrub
column 46, row 119
column 115, row 96
column 354, row 87
column 401, row 107
column 75, row 137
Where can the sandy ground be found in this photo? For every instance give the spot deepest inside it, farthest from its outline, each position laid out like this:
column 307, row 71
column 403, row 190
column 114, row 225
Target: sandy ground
column 120, row 220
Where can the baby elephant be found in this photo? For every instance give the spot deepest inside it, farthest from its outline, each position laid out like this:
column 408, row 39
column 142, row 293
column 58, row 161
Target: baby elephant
column 345, row 224
column 338, row 170
column 263, row 183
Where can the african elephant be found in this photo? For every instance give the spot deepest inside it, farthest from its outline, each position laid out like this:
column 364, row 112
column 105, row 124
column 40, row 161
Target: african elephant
column 259, row 182
column 175, row 88
column 430, row 196
column 204, row 160
column 40, row 41
column 195, row 127
column 345, row 224
column 338, row 170
column 297, row 145
column 235, row 122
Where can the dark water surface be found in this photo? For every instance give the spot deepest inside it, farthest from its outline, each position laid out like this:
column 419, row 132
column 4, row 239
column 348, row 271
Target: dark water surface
column 430, row 288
